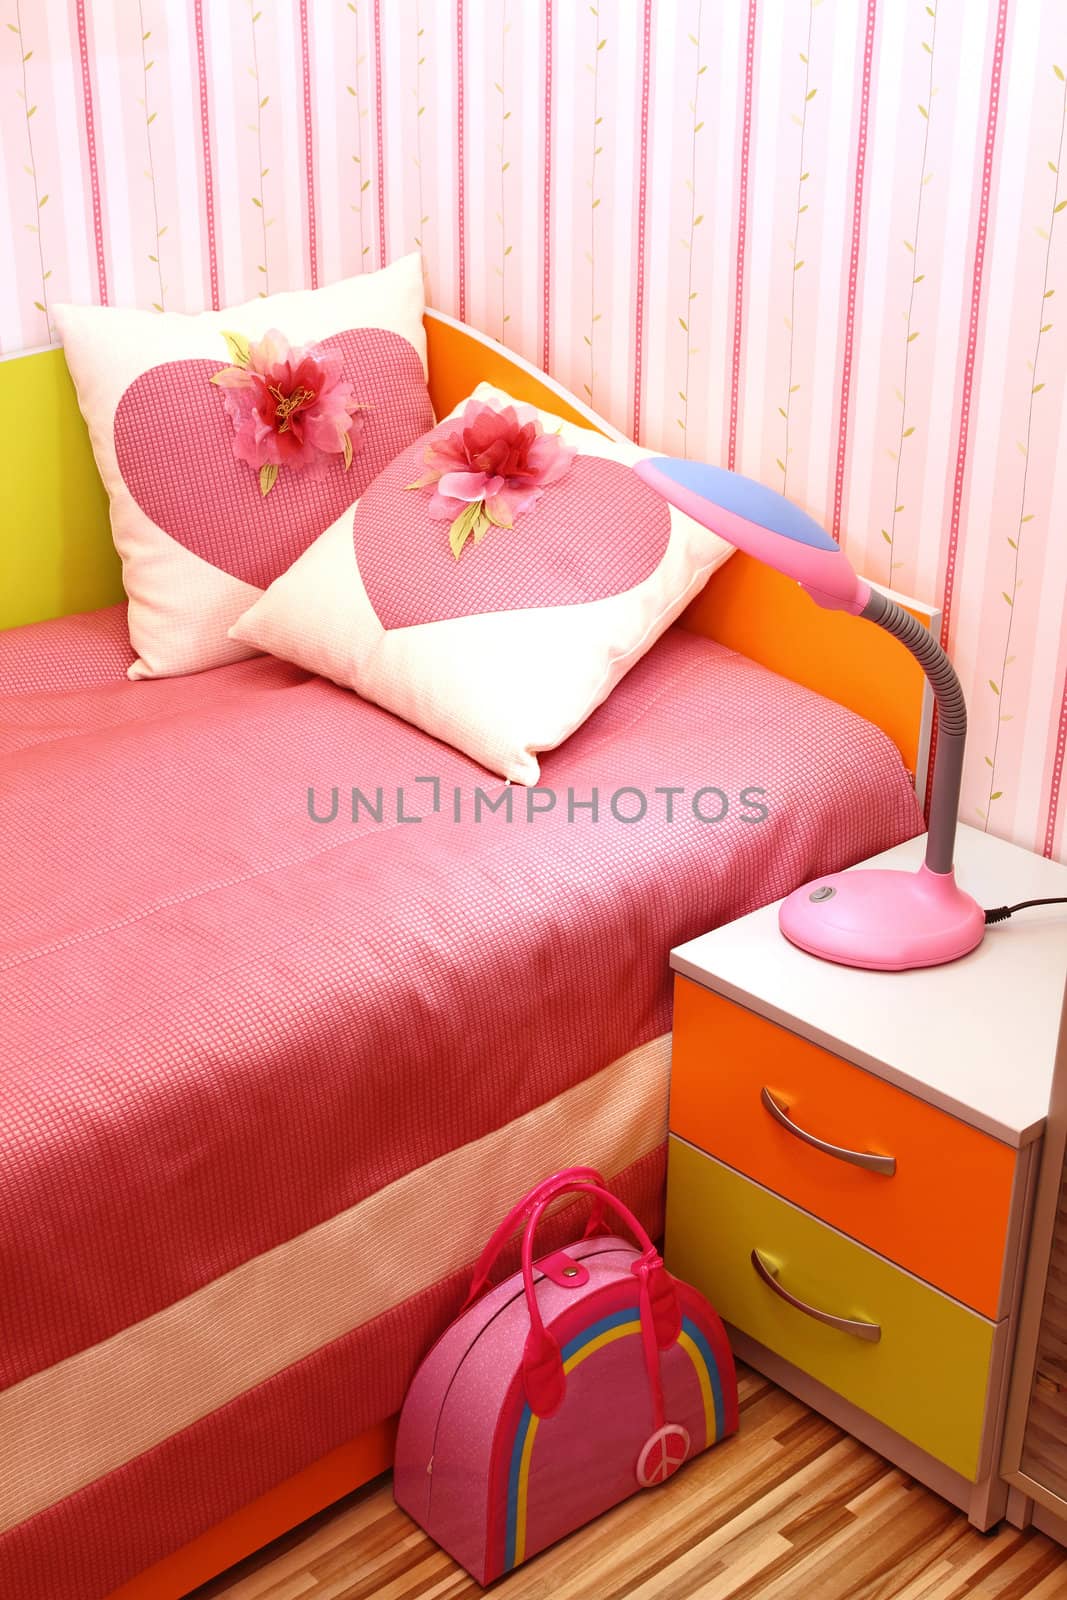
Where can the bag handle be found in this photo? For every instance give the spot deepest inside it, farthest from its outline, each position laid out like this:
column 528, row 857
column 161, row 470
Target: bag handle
column 570, row 1179
column 661, row 1314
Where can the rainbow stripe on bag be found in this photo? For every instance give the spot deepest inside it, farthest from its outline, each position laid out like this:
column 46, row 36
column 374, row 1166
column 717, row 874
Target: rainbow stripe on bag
column 619, row 1325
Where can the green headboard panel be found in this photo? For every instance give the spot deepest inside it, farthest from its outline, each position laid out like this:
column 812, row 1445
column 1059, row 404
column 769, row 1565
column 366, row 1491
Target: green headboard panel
column 56, row 554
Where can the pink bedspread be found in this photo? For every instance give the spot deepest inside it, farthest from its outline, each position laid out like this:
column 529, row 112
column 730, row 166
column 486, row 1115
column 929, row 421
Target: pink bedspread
column 247, row 1019
column 225, row 1022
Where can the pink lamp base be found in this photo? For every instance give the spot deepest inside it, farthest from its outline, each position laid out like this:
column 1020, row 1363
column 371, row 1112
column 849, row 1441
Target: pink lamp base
column 882, row 920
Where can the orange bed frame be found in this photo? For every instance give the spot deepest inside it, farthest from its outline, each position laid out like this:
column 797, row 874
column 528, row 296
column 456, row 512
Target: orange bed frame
column 51, row 487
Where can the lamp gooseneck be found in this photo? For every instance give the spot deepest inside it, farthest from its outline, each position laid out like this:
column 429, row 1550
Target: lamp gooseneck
column 952, row 723
column 883, row 918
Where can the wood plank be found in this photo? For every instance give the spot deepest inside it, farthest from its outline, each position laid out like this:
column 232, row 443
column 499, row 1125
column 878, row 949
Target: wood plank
column 791, row 1509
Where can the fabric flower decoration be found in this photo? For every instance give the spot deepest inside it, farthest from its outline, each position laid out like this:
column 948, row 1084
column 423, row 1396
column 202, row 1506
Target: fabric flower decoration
column 289, row 407
column 488, row 466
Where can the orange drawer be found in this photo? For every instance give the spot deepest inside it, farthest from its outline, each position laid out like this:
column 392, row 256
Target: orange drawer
column 943, row 1211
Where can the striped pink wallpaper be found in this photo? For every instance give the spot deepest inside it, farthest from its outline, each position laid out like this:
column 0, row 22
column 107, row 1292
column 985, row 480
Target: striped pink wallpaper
column 821, row 241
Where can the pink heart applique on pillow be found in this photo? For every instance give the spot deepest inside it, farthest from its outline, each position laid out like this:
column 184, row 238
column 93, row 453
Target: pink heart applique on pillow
column 174, row 446
column 597, row 532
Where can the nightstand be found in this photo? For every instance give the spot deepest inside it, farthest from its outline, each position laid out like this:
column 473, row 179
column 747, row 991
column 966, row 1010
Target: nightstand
column 852, row 1163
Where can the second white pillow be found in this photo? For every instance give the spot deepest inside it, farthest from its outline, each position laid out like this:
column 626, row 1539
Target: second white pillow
column 494, row 583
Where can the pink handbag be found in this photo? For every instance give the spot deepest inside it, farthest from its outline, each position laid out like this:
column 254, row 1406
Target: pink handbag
column 583, row 1377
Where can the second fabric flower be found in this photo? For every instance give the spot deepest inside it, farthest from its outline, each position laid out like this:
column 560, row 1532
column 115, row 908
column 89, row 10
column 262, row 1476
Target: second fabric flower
column 488, row 466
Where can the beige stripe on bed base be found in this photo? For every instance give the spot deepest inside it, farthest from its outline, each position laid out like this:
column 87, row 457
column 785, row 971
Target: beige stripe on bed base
column 85, row 1416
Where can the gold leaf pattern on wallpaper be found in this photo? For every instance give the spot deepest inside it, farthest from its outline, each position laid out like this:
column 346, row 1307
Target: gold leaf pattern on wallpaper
column 504, row 163
column 260, row 200
column 419, row 232
column 1002, row 687
column 39, row 200
column 911, row 333
column 797, row 260
column 362, row 177
column 158, row 231
column 593, row 68
column 695, row 219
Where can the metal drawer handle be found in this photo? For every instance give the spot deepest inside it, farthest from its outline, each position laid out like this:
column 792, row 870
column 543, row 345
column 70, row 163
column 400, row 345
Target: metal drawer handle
column 887, row 1165
column 869, row 1331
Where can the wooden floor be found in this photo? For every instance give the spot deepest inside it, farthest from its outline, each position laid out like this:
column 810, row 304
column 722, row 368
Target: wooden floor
column 792, row 1509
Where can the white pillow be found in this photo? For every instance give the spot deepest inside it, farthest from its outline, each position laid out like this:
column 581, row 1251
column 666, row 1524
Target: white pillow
column 202, row 531
column 506, row 649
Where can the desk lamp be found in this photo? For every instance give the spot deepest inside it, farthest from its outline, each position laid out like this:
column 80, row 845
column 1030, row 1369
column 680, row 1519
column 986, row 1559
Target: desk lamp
column 873, row 918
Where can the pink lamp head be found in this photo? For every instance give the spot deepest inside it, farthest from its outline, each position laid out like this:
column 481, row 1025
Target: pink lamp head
column 762, row 524
column 884, row 920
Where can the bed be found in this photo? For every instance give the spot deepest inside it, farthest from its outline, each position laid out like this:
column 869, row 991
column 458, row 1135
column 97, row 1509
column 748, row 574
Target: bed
column 297, row 1000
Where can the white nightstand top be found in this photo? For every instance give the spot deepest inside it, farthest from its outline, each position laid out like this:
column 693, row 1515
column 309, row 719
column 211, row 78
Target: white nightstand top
column 976, row 1037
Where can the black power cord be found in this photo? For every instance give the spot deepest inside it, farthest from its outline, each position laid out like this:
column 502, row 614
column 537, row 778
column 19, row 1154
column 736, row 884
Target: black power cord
column 1002, row 913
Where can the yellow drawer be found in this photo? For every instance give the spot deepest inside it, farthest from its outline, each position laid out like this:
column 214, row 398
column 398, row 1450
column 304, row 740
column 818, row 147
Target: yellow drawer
column 927, row 1375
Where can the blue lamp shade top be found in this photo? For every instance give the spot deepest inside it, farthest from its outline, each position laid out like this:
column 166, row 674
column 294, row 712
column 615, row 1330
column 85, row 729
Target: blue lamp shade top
column 745, row 498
